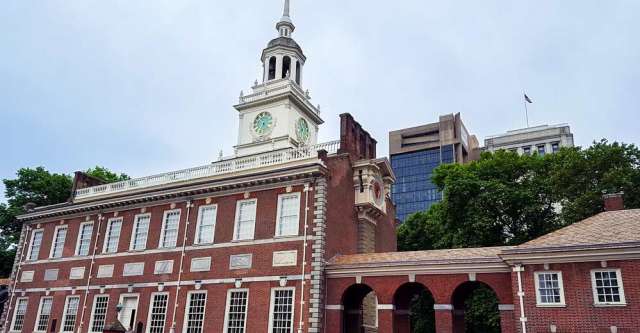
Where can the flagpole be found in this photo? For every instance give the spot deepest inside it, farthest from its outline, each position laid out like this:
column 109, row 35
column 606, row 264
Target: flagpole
column 526, row 110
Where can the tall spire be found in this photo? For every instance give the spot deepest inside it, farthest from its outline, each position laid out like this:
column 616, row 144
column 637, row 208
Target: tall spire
column 285, row 26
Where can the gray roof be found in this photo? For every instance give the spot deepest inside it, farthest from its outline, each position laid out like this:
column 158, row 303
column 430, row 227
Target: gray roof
column 285, row 42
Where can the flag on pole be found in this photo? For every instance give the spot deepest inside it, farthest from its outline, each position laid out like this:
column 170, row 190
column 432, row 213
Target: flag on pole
column 526, row 98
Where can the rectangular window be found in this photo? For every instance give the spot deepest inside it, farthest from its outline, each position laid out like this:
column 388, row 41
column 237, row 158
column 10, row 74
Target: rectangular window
column 59, row 237
column 541, row 150
column 607, row 287
column 206, row 224
column 76, row 273
column 194, row 317
column 27, row 276
column 70, row 313
column 288, row 219
column 237, row 301
column 281, row 310
column 112, row 236
column 158, row 313
column 549, row 289
column 84, row 239
column 51, row 274
column 170, row 223
column 163, row 267
column 36, row 243
column 555, row 147
column 140, row 232
column 526, row 150
column 99, row 313
column 245, row 219
column 18, row 315
column 133, row 269
column 44, row 313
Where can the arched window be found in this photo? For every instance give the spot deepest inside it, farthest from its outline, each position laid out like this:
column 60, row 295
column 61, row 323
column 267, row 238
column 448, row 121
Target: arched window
column 298, row 72
column 272, row 68
column 286, row 66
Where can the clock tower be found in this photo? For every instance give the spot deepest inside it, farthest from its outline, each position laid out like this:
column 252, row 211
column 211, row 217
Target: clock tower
column 278, row 113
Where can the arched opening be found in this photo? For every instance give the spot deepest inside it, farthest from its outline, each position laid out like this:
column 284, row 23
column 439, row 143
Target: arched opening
column 286, row 66
column 272, row 68
column 360, row 312
column 413, row 309
column 298, row 72
column 475, row 309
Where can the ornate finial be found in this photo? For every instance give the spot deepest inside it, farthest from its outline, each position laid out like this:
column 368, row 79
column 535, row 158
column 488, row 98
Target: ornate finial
column 285, row 26
column 220, row 155
column 241, row 96
column 255, row 83
column 285, row 13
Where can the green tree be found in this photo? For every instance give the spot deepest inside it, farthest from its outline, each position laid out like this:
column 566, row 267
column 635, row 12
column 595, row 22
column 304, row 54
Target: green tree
column 40, row 187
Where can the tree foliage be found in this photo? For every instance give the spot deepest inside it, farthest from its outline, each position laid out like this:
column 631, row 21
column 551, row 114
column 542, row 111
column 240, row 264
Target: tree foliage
column 42, row 188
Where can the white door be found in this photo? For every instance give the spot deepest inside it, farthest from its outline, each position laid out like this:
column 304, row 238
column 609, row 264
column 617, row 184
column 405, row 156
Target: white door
column 129, row 310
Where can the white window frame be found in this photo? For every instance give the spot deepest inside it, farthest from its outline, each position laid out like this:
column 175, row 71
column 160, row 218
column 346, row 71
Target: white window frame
column 166, row 310
column 133, row 264
column 64, row 314
column 159, row 264
column 136, row 222
column 27, row 276
column 103, row 276
column 164, row 227
column 50, row 271
column 78, row 241
column 108, row 231
column 228, row 306
column 30, row 252
column 594, row 288
column 93, row 312
column 237, row 218
column 272, row 306
column 55, row 238
column 15, row 314
column 120, row 301
column 281, row 198
column 198, row 241
column 188, row 309
column 539, row 302
column 37, row 322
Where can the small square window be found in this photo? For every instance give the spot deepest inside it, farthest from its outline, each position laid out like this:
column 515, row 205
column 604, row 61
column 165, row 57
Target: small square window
column 607, row 287
column 549, row 288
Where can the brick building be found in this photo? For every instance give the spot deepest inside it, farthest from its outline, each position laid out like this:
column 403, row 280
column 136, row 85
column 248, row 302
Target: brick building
column 292, row 235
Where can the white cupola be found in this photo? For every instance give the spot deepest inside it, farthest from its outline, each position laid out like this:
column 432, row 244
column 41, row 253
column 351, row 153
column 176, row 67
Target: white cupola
column 277, row 113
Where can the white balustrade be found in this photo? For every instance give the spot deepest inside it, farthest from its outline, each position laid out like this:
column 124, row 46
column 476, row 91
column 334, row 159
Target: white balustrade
column 213, row 169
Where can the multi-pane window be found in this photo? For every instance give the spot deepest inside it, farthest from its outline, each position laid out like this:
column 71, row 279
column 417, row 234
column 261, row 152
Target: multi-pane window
column 549, row 288
column 84, row 239
column 282, row 310
column 194, row 318
column 99, row 313
column 158, row 314
column 70, row 314
column 245, row 220
column 607, row 287
column 36, row 243
column 18, row 315
column 44, row 313
column 288, row 214
column 59, row 237
column 113, row 236
column 237, row 300
column 206, row 224
column 140, row 232
column 171, row 221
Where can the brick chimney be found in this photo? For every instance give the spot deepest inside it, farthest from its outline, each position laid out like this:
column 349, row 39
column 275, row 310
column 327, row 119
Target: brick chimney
column 613, row 201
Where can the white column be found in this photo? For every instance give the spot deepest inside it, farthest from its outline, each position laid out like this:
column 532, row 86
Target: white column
column 278, row 67
column 293, row 69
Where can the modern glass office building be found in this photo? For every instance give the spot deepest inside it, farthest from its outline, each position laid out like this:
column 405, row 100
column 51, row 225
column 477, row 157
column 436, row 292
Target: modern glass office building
column 417, row 151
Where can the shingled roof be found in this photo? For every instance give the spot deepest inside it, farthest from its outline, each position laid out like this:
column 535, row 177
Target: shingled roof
column 485, row 254
column 607, row 228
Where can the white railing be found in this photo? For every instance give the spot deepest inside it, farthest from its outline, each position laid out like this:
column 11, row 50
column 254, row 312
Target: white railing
column 213, row 169
column 277, row 87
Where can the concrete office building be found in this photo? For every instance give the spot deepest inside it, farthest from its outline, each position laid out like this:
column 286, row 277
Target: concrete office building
column 541, row 139
column 415, row 152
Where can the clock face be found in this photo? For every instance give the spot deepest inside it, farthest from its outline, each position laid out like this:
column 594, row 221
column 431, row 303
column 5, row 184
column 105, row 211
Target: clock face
column 302, row 130
column 263, row 123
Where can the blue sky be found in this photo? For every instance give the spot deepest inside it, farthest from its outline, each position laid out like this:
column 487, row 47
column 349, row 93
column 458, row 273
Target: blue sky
column 148, row 86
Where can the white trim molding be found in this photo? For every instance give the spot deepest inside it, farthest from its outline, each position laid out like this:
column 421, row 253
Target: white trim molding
column 539, row 302
column 620, row 286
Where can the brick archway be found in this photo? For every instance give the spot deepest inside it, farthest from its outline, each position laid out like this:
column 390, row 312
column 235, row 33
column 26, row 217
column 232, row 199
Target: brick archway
column 407, row 295
column 459, row 297
column 359, row 313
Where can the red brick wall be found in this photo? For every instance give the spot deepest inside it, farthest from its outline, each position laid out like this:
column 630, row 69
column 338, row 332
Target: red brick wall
column 580, row 315
column 342, row 222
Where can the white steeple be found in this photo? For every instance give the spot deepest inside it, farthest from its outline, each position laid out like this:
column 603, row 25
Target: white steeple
column 285, row 27
column 278, row 113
